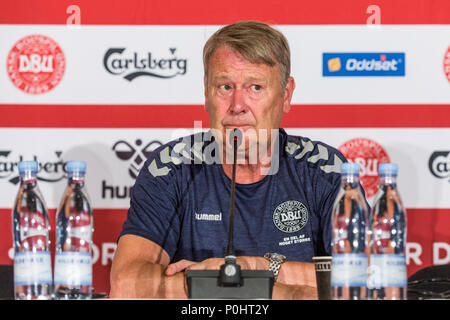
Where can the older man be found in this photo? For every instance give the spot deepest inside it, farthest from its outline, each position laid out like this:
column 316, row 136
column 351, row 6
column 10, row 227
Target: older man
column 178, row 219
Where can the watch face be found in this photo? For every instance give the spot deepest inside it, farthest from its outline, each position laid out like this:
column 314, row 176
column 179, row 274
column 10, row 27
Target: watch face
column 279, row 257
column 275, row 256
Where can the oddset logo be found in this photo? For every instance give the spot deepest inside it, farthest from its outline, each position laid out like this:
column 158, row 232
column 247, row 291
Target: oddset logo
column 36, row 64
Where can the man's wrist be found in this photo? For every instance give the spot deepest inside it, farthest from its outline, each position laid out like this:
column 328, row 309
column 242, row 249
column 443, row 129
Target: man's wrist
column 275, row 262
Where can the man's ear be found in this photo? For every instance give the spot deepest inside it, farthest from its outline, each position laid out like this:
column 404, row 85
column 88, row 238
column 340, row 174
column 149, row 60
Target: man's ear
column 288, row 91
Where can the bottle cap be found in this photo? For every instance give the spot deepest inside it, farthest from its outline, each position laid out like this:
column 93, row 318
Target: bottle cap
column 76, row 166
column 350, row 168
column 388, row 169
column 28, row 166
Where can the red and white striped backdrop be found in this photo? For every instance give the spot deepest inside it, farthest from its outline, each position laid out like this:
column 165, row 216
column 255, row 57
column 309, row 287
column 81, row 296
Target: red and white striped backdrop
column 92, row 112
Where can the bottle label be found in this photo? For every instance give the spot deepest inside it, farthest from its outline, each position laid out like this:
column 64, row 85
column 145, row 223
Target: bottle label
column 82, row 233
column 387, row 270
column 349, row 270
column 73, row 268
column 32, row 268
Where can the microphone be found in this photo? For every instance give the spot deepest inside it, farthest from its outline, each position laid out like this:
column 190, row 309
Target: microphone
column 230, row 272
column 235, row 138
column 230, row 282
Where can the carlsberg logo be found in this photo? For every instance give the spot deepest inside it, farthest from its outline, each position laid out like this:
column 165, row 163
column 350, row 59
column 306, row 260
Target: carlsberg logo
column 133, row 64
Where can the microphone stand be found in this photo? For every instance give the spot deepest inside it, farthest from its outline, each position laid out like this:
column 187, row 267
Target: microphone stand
column 230, row 271
column 230, row 282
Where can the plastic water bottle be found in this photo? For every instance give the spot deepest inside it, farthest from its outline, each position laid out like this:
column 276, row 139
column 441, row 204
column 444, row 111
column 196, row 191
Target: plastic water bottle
column 349, row 238
column 30, row 225
column 74, row 230
column 387, row 276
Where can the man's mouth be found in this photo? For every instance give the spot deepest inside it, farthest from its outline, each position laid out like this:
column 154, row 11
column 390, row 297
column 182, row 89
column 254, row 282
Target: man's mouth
column 241, row 126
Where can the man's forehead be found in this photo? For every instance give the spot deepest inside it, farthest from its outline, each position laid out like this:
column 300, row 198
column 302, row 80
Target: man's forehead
column 225, row 62
column 226, row 53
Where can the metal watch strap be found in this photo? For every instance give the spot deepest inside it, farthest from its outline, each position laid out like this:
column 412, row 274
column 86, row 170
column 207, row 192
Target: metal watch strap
column 275, row 266
column 275, row 262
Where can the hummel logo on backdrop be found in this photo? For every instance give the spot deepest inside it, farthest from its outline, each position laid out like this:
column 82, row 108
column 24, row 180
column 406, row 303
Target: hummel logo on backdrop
column 135, row 155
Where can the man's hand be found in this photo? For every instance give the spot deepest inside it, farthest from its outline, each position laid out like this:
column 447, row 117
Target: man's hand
column 246, row 263
column 297, row 281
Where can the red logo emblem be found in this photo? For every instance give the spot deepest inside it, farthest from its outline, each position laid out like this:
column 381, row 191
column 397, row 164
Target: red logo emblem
column 447, row 64
column 368, row 154
column 36, row 64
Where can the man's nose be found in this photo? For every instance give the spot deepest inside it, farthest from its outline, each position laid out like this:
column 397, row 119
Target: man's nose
column 237, row 104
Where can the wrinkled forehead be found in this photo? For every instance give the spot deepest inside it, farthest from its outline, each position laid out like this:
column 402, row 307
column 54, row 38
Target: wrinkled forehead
column 225, row 61
column 255, row 54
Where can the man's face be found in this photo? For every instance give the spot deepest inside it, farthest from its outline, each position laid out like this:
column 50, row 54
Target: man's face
column 244, row 95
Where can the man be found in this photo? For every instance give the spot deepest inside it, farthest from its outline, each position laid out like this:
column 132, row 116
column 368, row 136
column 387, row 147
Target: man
column 178, row 219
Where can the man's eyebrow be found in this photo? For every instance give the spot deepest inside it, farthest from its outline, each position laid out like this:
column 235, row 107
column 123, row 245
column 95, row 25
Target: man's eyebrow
column 219, row 77
column 249, row 78
column 256, row 78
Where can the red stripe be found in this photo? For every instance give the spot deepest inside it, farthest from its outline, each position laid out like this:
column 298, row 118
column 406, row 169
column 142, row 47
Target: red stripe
column 183, row 116
column 207, row 12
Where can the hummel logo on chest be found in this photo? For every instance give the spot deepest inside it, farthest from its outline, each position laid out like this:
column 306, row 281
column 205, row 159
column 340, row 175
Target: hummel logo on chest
column 208, row 217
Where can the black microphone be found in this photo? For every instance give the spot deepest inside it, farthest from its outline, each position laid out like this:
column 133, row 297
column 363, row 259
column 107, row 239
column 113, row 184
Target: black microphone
column 235, row 140
column 230, row 282
column 230, row 272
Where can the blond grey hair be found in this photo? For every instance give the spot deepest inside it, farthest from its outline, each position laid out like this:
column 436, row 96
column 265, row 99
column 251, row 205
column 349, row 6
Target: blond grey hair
column 257, row 42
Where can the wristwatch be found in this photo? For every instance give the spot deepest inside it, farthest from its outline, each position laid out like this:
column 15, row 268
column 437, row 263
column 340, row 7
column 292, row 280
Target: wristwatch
column 276, row 260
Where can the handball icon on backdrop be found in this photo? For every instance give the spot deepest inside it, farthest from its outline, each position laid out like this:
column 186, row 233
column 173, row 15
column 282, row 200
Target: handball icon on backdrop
column 135, row 155
column 36, row 64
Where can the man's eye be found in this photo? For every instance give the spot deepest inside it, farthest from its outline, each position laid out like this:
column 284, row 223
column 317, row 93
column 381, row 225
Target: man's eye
column 225, row 87
column 256, row 87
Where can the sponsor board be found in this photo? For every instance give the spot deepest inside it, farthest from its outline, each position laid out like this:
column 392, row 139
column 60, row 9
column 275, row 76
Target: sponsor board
column 167, row 67
column 115, row 156
column 411, row 149
column 427, row 240
column 113, row 64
